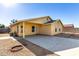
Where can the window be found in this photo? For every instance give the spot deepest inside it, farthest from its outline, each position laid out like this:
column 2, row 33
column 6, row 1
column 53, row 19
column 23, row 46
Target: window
column 21, row 29
column 59, row 29
column 33, row 28
column 21, row 26
column 55, row 29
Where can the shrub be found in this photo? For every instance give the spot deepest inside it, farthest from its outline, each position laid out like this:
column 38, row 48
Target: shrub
column 14, row 34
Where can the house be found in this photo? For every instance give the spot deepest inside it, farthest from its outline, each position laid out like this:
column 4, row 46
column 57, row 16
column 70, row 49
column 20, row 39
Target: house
column 41, row 25
column 69, row 28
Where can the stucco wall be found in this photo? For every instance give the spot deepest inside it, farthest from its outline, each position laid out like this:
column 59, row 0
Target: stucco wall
column 45, row 29
column 39, row 29
column 13, row 28
column 57, row 25
column 48, row 29
column 28, row 28
column 19, row 27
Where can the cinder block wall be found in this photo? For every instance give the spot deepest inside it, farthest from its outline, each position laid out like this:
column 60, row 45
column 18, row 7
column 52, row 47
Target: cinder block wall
column 72, row 30
column 76, row 30
column 69, row 30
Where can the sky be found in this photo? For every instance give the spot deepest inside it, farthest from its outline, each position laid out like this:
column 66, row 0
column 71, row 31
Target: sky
column 68, row 13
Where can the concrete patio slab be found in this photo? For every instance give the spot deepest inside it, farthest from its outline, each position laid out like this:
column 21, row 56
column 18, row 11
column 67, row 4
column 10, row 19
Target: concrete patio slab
column 56, row 44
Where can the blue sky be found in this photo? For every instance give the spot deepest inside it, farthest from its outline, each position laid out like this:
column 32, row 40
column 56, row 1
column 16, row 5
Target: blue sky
column 68, row 13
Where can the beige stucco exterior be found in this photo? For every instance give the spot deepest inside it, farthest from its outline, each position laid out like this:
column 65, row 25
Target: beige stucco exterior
column 57, row 25
column 40, row 27
column 45, row 29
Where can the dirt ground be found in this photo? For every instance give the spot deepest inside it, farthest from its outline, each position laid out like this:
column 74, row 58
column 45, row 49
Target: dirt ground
column 37, row 50
column 6, row 44
column 68, row 35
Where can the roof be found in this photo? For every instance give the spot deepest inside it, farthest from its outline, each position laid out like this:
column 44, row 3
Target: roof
column 22, row 20
column 69, row 25
column 51, row 21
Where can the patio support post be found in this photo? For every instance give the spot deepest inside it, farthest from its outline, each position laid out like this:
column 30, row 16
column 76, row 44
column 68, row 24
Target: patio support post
column 23, row 30
column 19, row 29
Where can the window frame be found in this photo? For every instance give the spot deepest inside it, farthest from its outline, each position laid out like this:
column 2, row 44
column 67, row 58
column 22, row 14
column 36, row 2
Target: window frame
column 55, row 29
column 59, row 29
column 33, row 28
column 21, row 28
